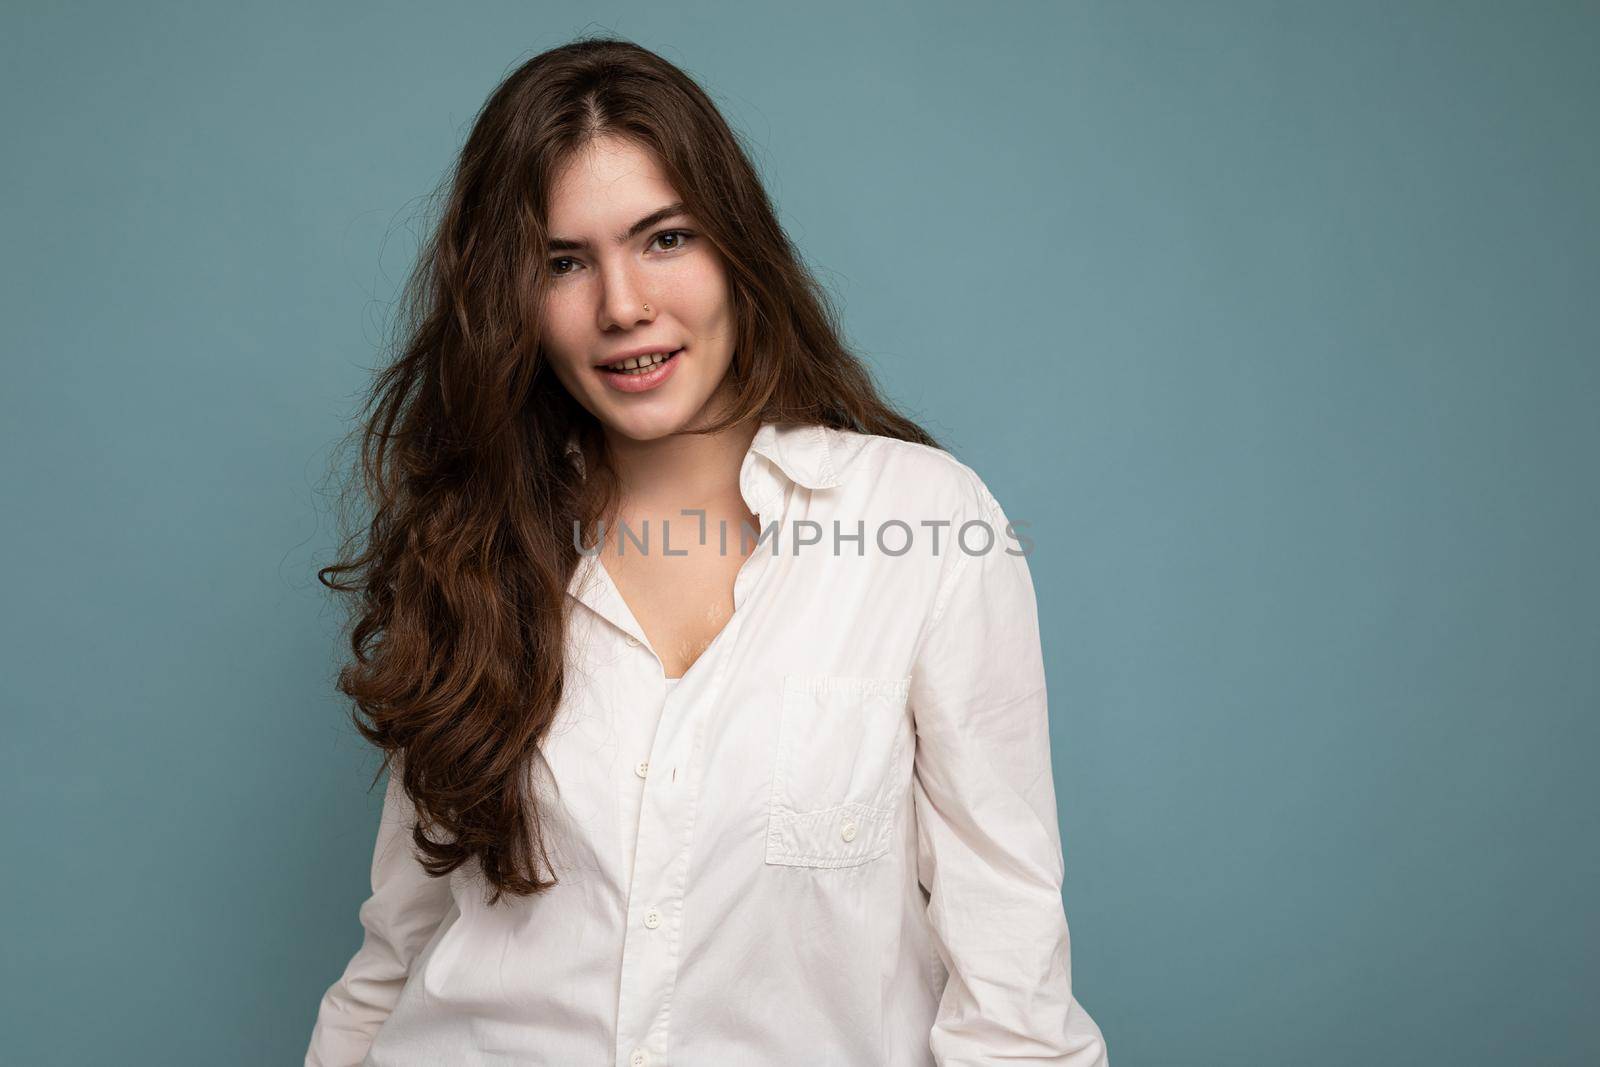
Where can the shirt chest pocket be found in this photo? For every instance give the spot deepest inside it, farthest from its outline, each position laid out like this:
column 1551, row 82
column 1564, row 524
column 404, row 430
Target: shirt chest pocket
column 842, row 756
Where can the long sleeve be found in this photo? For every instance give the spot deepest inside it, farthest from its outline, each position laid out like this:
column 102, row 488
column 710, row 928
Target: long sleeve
column 402, row 913
column 988, row 840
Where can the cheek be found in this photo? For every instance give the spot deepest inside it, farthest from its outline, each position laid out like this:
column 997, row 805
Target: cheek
column 560, row 339
column 704, row 294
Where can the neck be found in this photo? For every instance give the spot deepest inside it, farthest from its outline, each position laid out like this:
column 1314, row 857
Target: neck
column 680, row 470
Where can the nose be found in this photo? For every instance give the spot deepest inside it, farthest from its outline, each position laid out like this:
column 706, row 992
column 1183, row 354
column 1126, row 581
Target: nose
column 623, row 304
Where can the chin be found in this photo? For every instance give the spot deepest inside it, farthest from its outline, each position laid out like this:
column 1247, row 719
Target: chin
column 649, row 425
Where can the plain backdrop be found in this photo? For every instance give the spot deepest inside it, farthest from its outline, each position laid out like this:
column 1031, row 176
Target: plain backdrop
column 1277, row 321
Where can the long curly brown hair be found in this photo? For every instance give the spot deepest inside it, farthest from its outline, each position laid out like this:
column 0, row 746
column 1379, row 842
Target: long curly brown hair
column 456, row 574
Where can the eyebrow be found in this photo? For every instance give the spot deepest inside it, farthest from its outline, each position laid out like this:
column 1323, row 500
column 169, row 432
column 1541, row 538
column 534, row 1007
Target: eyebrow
column 566, row 244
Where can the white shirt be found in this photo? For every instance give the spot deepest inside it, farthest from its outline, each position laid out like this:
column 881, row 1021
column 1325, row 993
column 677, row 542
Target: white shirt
column 833, row 841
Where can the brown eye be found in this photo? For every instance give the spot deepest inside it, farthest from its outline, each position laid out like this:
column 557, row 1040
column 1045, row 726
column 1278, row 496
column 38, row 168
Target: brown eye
column 680, row 235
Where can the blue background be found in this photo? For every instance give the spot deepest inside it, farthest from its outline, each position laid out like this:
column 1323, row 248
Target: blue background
column 1276, row 320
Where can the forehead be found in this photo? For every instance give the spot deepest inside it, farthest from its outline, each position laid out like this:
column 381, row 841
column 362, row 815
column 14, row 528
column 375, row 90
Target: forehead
column 608, row 181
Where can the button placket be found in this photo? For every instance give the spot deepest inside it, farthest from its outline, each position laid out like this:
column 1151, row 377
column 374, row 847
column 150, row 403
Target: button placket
column 667, row 815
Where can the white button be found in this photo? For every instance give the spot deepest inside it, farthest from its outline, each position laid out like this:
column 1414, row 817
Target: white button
column 638, row 1058
column 652, row 918
column 633, row 642
column 641, row 768
column 848, row 831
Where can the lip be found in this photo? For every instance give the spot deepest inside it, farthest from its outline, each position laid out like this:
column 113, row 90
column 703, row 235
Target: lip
column 640, row 383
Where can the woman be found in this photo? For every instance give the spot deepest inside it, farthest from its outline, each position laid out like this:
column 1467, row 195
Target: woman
column 772, row 787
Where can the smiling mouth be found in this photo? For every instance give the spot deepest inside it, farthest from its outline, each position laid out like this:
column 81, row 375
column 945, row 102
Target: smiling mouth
column 640, row 364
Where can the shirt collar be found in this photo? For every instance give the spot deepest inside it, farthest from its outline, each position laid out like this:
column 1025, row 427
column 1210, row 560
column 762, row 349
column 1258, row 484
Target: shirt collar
column 803, row 451
column 809, row 454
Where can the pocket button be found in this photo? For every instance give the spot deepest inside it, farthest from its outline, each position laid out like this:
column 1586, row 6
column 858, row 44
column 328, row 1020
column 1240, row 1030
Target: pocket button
column 848, row 830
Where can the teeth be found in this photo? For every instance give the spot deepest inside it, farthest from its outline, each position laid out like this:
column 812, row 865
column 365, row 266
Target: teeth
column 639, row 364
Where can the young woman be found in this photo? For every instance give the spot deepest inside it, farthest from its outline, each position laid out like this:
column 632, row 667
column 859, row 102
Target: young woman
column 709, row 687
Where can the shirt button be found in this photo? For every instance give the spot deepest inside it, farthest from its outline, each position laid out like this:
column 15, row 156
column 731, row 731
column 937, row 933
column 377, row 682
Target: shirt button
column 633, row 642
column 652, row 918
column 641, row 768
column 638, row 1058
column 848, row 830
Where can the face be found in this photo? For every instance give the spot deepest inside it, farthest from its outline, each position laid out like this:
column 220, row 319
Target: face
column 595, row 304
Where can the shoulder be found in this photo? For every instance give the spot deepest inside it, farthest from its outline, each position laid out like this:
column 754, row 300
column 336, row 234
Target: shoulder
column 922, row 486
column 929, row 479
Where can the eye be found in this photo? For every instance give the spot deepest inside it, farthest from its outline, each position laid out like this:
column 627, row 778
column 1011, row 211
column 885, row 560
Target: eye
column 679, row 238
column 681, row 235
